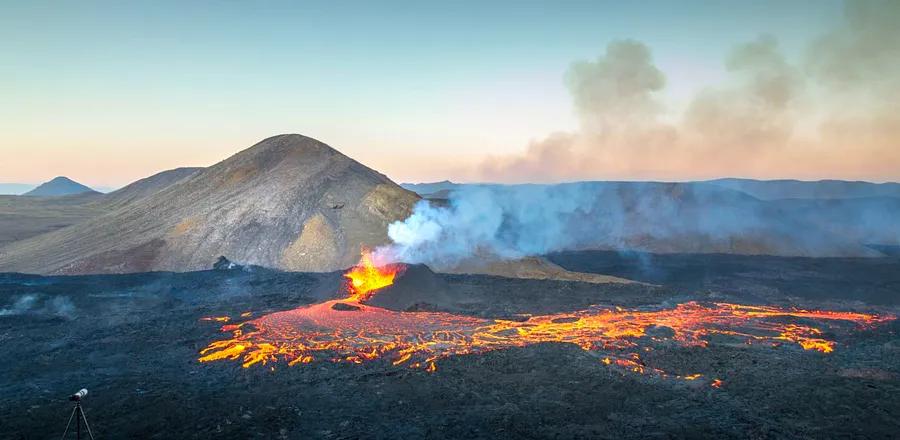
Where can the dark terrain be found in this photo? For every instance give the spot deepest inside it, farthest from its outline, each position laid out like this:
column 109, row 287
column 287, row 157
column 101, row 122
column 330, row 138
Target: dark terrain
column 133, row 341
column 873, row 281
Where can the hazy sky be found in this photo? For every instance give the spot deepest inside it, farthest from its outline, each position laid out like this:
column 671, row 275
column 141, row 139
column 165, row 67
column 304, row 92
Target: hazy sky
column 109, row 92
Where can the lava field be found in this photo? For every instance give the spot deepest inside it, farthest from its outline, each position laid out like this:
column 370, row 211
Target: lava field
column 744, row 349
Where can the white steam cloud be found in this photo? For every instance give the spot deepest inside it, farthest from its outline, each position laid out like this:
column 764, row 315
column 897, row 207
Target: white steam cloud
column 513, row 221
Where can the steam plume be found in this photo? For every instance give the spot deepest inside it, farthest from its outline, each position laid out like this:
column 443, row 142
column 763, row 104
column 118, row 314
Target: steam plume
column 512, row 221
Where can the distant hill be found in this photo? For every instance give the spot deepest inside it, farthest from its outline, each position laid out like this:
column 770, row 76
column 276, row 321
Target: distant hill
column 59, row 186
column 15, row 188
column 288, row 202
column 25, row 217
column 761, row 189
column 799, row 189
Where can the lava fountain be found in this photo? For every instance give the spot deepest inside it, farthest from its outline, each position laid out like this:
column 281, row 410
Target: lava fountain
column 367, row 277
column 419, row 339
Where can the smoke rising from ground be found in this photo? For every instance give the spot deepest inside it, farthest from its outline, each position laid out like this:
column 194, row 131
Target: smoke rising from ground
column 40, row 305
column 497, row 221
column 513, row 221
column 831, row 114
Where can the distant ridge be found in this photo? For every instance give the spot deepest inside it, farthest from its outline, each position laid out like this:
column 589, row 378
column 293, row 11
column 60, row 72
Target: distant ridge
column 760, row 189
column 291, row 202
column 802, row 189
column 14, row 189
column 59, row 186
column 428, row 188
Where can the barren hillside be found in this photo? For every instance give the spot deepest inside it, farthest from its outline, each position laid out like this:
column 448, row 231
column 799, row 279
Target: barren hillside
column 288, row 202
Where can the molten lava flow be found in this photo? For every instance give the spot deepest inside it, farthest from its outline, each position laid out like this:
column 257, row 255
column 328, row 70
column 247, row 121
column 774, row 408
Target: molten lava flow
column 367, row 277
column 418, row 339
column 216, row 318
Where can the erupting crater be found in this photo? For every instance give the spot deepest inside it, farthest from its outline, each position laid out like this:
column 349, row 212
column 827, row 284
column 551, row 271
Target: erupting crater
column 357, row 333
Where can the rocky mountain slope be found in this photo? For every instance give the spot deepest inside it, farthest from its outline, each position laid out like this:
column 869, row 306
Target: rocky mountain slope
column 25, row 217
column 288, row 202
column 147, row 186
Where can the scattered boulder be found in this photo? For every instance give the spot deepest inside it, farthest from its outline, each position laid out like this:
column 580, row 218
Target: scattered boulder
column 422, row 307
column 344, row 307
column 518, row 317
column 660, row 331
column 225, row 264
column 565, row 319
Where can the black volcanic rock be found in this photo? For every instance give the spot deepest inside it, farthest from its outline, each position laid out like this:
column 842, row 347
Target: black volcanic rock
column 416, row 288
column 565, row 320
column 225, row 264
column 344, row 307
column 59, row 186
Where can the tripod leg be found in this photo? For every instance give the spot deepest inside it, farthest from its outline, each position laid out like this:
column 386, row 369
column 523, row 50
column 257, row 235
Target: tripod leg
column 78, row 422
column 69, row 423
column 86, row 426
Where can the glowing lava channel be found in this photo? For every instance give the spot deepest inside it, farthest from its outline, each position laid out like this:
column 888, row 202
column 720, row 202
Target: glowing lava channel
column 419, row 339
column 363, row 333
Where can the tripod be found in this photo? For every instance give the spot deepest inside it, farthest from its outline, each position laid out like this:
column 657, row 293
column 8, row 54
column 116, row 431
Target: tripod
column 78, row 415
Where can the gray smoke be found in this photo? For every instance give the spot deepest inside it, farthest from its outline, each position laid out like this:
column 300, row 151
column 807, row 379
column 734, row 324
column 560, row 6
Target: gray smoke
column 830, row 114
column 40, row 305
column 19, row 306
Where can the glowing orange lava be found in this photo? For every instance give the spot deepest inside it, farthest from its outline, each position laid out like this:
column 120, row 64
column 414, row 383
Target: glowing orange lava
column 367, row 277
column 216, row 318
column 419, row 339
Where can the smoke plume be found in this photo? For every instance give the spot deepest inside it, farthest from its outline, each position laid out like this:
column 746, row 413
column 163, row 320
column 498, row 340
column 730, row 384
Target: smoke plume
column 830, row 115
column 833, row 113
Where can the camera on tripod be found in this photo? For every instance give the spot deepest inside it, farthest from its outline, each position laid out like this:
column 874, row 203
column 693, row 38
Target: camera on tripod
column 78, row 416
column 79, row 395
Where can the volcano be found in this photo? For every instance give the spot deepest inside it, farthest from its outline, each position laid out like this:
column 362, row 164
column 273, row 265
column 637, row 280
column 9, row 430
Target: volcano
column 288, row 202
column 59, row 186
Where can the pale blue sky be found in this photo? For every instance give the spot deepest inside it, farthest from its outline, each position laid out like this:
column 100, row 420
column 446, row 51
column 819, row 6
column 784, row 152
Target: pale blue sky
column 108, row 92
